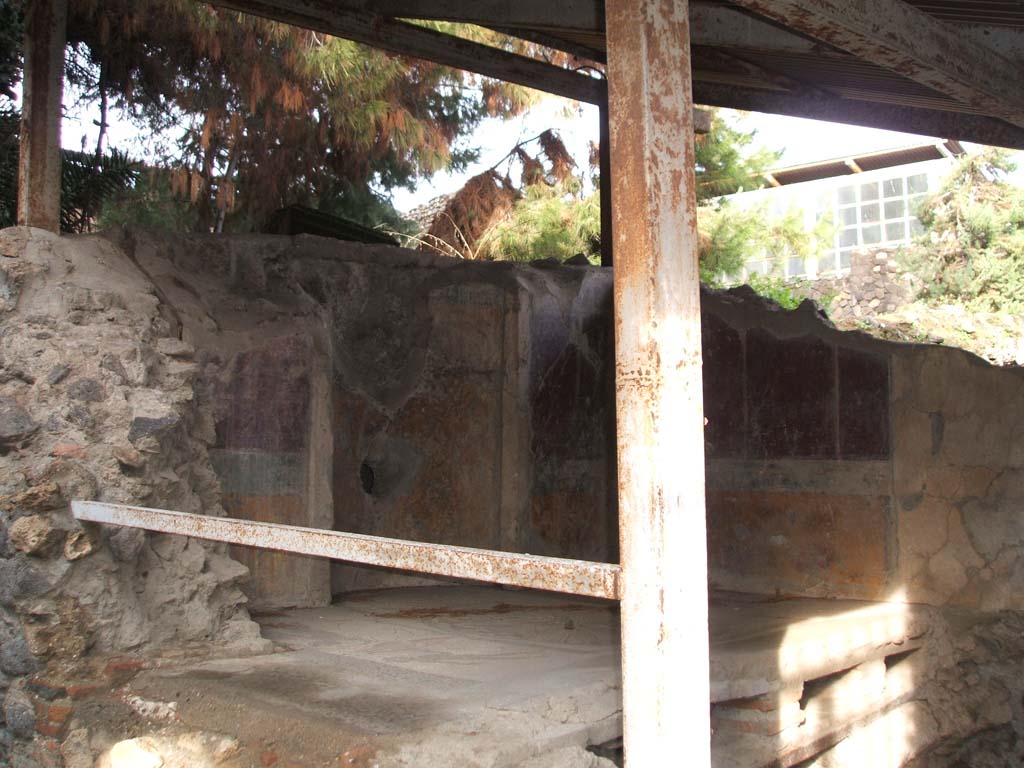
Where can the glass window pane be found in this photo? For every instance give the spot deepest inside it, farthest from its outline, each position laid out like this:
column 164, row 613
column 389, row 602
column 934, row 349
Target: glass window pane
column 752, row 266
column 892, row 187
column 869, row 191
column 917, row 184
column 847, row 195
column 869, row 214
column 847, row 238
column 845, row 259
column 896, row 230
column 827, row 263
column 895, row 209
column 847, row 216
column 916, row 228
column 871, row 235
column 915, row 202
column 796, row 267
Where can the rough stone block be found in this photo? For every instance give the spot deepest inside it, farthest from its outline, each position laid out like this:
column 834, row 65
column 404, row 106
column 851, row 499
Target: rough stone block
column 16, row 425
column 20, row 713
column 16, row 658
column 78, row 544
column 35, row 535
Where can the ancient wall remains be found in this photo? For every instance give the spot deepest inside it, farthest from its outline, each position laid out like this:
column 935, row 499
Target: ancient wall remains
column 385, row 391
column 844, row 466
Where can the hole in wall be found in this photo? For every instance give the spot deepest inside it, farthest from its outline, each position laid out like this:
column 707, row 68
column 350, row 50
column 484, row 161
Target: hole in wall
column 895, row 658
column 366, row 478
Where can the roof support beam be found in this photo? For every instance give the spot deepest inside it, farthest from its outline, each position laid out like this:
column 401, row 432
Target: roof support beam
column 721, row 27
column 658, row 385
column 418, row 42
column 565, row 15
column 899, row 37
column 544, row 21
column 927, row 122
column 1007, row 41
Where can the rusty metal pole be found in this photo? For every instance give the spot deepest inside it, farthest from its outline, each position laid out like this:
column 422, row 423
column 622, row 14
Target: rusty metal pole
column 43, row 84
column 659, row 407
column 605, row 179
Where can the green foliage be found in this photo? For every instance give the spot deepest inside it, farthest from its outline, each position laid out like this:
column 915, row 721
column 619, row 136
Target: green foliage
column 9, row 118
column 554, row 220
column 972, row 250
column 257, row 115
column 724, row 162
column 548, row 222
column 148, row 205
column 732, row 237
column 786, row 295
column 87, row 181
column 11, row 31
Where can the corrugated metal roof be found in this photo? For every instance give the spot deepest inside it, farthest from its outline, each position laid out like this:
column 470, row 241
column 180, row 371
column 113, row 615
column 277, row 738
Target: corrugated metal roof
column 1009, row 13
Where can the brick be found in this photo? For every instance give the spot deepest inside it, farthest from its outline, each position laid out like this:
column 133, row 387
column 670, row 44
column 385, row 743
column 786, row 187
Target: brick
column 122, row 669
column 52, row 719
column 69, row 451
column 79, row 691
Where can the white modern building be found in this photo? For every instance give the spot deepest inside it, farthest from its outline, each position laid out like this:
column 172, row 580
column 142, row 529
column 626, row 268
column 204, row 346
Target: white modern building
column 872, row 200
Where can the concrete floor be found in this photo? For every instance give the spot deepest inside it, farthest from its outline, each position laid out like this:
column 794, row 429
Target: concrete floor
column 480, row 676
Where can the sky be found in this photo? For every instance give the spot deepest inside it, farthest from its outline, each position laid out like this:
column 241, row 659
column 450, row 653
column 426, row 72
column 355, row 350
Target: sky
column 799, row 140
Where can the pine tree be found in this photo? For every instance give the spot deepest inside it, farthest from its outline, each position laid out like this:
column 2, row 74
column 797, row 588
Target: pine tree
column 267, row 114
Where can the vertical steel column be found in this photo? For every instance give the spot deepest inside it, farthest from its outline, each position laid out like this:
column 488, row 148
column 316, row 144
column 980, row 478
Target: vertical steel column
column 658, row 386
column 39, row 152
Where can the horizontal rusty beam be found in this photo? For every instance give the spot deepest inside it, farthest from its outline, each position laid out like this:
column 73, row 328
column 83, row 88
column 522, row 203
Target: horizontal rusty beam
column 893, row 117
column 895, row 35
column 576, row 577
column 566, row 15
column 404, row 39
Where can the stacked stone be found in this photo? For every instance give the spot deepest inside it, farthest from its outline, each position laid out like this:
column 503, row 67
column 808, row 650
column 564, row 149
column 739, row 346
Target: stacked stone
column 98, row 400
column 876, row 284
column 424, row 215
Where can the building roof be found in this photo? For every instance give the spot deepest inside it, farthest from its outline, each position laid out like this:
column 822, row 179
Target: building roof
column 853, row 164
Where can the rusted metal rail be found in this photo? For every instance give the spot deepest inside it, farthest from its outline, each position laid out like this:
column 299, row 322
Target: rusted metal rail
column 576, row 577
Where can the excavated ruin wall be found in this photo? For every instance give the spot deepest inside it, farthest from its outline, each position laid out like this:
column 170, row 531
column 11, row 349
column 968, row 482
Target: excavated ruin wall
column 389, row 392
column 840, row 465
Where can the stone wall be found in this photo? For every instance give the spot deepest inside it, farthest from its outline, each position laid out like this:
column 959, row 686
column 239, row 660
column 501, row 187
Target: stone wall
column 99, row 399
column 264, row 368
column 405, row 394
column 875, row 284
column 386, row 391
